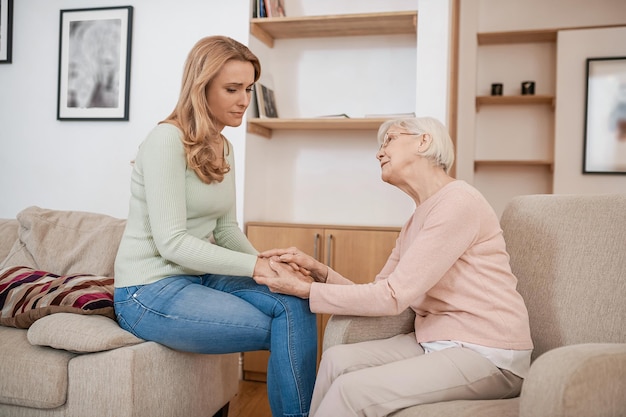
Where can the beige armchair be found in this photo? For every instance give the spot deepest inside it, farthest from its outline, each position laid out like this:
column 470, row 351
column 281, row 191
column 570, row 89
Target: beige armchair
column 569, row 255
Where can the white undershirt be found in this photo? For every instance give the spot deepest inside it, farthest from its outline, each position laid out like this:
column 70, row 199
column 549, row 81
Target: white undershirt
column 516, row 361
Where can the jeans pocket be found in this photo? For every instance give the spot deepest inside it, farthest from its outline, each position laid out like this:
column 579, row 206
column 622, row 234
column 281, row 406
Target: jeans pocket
column 127, row 308
column 121, row 321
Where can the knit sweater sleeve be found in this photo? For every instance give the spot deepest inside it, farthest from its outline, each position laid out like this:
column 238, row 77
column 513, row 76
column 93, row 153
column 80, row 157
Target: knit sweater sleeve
column 178, row 225
column 448, row 230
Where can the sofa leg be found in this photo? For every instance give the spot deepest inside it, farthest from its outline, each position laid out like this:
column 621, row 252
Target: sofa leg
column 222, row 412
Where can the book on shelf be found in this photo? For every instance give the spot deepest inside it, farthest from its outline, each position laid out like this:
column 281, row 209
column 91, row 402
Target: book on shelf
column 334, row 116
column 266, row 101
column 253, row 108
column 258, row 8
column 275, row 8
column 268, row 8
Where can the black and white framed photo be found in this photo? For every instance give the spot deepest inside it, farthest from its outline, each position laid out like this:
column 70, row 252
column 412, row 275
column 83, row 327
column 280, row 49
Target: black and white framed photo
column 605, row 121
column 94, row 63
column 6, row 31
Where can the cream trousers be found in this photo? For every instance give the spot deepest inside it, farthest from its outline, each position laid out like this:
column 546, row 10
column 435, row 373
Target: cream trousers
column 376, row 378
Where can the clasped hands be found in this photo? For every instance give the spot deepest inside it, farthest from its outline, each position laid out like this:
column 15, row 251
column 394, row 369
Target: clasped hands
column 289, row 271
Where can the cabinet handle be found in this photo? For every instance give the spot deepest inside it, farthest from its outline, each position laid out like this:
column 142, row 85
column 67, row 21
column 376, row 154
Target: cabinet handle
column 329, row 240
column 316, row 246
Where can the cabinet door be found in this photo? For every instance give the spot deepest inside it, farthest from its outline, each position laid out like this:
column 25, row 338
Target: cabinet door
column 356, row 254
column 307, row 239
column 263, row 237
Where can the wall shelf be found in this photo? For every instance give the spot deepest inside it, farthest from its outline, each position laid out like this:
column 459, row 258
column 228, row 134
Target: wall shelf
column 268, row 29
column 525, row 36
column 509, row 162
column 501, row 100
column 529, row 36
column 265, row 127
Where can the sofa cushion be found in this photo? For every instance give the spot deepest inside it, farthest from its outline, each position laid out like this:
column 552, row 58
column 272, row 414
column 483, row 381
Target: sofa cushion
column 82, row 334
column 66, row 242
column 27, row 295
column 31, row 376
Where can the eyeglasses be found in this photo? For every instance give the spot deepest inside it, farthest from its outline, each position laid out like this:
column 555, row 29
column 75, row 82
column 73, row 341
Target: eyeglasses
column 389, row 137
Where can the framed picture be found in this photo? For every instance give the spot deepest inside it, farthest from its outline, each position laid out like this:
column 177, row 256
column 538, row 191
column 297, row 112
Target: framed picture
column 6, row 30
column 605, row 121
column 266, row 102
column 94, row 63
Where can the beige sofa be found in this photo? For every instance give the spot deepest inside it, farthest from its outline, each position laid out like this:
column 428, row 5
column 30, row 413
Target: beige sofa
column 85, row 365
column 569, row 255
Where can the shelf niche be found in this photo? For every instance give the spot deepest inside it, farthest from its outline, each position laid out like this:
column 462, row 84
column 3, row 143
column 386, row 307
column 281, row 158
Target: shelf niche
column 268, row 29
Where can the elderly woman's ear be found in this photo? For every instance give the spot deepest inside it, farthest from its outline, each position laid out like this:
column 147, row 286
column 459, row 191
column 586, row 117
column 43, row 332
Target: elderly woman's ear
column 424, row 142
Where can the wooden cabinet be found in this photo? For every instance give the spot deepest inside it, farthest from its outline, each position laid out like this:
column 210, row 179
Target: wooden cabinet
column 267, row 30
column 358, row 253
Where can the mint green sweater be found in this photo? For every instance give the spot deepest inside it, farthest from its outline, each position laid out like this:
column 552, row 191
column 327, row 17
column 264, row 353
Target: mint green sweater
column 173, row 215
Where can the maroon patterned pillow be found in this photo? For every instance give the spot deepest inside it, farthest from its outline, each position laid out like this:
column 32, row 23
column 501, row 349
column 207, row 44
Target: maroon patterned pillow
column 27, row 295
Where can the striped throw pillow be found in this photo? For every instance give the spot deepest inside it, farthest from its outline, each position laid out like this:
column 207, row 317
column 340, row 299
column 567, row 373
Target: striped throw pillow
column 27, row 295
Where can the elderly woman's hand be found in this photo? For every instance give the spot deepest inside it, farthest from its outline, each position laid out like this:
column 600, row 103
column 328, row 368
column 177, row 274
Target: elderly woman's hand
column 288, row 281
column 299, row 261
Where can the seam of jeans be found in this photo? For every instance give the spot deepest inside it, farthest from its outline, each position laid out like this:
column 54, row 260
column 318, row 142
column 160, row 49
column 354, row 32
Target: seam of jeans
column 292, row 358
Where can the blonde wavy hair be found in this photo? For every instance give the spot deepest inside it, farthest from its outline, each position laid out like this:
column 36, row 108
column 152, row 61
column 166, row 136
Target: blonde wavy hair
column 192, row 114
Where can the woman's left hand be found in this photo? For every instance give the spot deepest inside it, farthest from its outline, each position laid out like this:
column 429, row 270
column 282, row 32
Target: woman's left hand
column 288, row 281
column 299, row 261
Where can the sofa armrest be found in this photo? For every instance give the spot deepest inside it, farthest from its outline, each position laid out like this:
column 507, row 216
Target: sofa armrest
column 584, row 380
column 353, row 329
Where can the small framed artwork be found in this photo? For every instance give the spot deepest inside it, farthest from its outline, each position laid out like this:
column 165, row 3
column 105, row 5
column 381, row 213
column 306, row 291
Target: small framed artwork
column 94, row 63
column 6, row 31
column 266, row 102
column 605, row 116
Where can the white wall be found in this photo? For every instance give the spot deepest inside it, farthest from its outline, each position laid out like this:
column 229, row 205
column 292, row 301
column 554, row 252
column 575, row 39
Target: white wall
column 79, row 165
column 575, row 47
column 433, row 58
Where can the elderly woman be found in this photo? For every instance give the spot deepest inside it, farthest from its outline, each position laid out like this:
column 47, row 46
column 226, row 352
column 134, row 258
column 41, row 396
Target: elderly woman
column 449, row 265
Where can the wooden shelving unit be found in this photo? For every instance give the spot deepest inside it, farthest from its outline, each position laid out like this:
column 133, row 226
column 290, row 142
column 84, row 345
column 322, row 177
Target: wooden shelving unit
column 264, row 127
column 520, row 170
column 390, row 23
column 267, row 30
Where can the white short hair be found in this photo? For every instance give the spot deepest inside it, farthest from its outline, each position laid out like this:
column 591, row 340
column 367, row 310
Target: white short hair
column 441, row 150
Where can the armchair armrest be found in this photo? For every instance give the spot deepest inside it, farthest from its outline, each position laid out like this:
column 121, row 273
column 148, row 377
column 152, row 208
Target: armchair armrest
column 353, row 329
column 583, row 380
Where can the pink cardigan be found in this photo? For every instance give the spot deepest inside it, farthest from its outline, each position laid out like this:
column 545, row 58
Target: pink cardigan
column 451, row 267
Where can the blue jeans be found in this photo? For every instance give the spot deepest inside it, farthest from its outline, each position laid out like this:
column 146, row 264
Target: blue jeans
column 226, row 314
